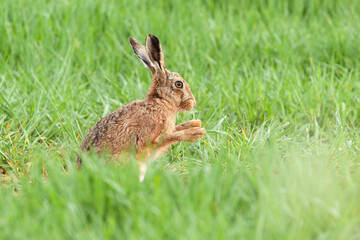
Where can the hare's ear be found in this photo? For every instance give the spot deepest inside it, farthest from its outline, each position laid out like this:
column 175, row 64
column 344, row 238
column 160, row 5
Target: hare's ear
column 155, row 52
column 141, row 52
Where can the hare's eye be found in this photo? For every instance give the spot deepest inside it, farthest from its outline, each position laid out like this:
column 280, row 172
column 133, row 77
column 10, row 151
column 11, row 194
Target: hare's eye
column 178, row 84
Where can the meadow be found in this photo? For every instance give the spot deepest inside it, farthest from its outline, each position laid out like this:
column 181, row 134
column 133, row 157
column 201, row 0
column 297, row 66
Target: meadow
column 277, row 88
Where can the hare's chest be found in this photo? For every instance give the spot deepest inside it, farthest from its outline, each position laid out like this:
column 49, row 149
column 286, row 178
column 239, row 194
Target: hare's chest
column 169, row 128
column 164, row 128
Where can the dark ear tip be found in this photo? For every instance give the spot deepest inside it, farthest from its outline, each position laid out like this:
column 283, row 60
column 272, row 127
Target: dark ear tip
column 152, row 36
column 131, row 40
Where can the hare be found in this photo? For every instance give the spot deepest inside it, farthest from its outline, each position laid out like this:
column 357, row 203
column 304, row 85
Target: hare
column 149, row 124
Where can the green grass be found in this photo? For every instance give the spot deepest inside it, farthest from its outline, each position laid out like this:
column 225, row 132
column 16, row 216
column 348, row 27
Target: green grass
column 277, row 86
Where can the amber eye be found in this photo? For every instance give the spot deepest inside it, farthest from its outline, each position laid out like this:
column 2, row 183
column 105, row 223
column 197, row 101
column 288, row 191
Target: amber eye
column 178, row 84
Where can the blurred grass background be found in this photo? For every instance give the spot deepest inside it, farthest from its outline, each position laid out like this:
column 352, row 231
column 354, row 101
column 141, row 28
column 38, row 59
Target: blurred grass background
column 277, row 86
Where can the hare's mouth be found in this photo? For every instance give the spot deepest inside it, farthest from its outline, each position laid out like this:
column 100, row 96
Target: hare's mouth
column 187, row 105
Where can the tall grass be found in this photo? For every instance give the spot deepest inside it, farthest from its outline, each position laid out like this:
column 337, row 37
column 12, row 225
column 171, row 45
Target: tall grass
column 277, row 86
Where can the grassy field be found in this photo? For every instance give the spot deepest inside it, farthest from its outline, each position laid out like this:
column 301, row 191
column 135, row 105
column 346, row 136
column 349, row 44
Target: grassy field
column 278, row 91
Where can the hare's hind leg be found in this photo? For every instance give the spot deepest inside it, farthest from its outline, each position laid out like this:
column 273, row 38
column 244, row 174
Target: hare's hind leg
column 142, row 169
column 143, row 157
column 189, row 124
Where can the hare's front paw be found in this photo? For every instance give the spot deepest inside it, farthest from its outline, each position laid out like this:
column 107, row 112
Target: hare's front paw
column 193, row 134
column 189, row 124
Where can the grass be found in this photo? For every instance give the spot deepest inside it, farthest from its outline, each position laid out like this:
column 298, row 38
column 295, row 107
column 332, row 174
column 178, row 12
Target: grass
column 277, row 86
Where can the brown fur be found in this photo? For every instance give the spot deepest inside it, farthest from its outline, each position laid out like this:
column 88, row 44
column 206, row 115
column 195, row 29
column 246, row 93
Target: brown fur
column 148, row 124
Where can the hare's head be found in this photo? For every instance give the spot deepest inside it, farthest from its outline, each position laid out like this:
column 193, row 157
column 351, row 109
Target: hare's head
column 167, row 86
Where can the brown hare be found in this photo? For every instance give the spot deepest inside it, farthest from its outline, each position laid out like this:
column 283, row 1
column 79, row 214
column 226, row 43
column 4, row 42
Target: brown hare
column 148, row 124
